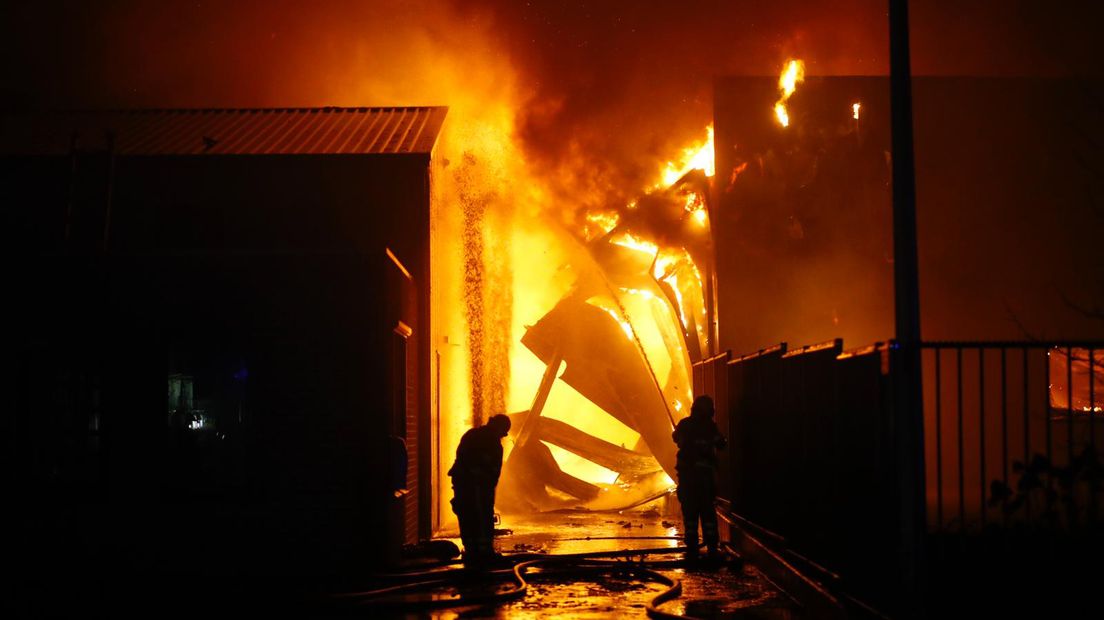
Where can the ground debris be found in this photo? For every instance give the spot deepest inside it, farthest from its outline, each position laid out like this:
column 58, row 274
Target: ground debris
column 718, row 591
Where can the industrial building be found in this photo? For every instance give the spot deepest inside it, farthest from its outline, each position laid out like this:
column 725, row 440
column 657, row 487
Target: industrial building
column 217, row 360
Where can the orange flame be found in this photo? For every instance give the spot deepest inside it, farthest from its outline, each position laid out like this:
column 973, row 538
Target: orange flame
column 617, row 316
column 781, row 114
column 792, row 75
column 695, row 208
column 855, row 110
column 646, row 317
column 600, row 223
column 697, row 157
column 633, row 242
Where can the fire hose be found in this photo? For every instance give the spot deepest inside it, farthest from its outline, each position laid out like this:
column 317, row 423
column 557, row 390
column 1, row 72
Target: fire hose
column 575, row 564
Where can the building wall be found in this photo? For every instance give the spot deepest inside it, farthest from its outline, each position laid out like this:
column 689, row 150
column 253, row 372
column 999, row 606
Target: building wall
column 803, row 229
column 264, row 280
column 1008, row 210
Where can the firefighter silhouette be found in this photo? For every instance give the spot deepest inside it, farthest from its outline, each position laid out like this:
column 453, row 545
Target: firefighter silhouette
column 474, row 478
column 698, row 441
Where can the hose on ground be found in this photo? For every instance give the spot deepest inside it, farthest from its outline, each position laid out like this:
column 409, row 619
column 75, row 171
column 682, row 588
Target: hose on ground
column 587, row 563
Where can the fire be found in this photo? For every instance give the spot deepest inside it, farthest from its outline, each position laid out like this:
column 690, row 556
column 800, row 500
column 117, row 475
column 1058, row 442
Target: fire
column 855, row 110
column 695, row 207
column 792, row 75
column 600, row 223
column 625, row 326
column 781, row 114
column 662, row 319
column 631, row 241
column 500, row 263
column 696, row 157
column 672, row 267
column 633, row 291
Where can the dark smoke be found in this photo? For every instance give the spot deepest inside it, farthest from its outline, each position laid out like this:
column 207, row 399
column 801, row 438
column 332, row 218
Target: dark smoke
column 612, row 85
column 604, row 91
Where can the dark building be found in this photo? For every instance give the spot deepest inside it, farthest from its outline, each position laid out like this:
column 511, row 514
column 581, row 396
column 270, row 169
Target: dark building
column 804, row 216
column 1009, row 220
column 216, row 341
column 1008, row 175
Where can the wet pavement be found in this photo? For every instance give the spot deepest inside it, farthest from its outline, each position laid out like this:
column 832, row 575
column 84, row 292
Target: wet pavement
column 569, row 590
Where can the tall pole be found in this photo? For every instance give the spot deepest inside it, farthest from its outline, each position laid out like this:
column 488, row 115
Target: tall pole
column 908, row 423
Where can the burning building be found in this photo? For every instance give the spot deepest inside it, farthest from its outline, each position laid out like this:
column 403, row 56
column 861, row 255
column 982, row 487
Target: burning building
column 639, row 312
column 329, row 297
column 298, row 278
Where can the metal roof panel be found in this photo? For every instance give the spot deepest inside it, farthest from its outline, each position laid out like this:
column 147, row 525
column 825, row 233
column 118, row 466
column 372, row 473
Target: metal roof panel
column 247, row 131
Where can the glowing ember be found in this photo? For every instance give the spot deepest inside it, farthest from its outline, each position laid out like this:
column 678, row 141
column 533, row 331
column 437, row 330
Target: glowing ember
column 855, row 110
column 792, row 75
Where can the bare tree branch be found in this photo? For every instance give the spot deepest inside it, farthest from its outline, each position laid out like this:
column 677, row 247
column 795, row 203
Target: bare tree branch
column 1012, row 316
column 1093, row 312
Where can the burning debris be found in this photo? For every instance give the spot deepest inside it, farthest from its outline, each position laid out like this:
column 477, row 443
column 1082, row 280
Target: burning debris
column 624, row 335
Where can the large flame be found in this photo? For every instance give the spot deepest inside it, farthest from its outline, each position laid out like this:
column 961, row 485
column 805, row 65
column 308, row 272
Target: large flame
column 497, row 227
column 792, row 75
column 698, row 156
column 657, row 323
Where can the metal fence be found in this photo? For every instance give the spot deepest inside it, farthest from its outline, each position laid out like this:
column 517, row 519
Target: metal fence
column 810, row 456
column 1011, row 434
column 1010, row 456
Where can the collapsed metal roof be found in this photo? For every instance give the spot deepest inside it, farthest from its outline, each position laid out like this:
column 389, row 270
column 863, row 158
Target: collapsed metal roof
column 253, row 131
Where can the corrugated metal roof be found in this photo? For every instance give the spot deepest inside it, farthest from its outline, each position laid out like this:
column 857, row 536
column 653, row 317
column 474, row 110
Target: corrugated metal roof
column 263, row 131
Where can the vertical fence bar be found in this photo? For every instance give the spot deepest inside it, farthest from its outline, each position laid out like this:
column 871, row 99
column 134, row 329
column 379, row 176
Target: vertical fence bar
column 1049, row 456
column 981, row 428
column 908, row 411
column 1004, row 420
column 961, row 451
column 1092, row 402
column 1069, row 406
column 1026, row 430
column 1092, row 430
column 938, row 441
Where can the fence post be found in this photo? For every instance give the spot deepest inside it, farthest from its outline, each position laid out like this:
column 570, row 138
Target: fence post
column 908, row 407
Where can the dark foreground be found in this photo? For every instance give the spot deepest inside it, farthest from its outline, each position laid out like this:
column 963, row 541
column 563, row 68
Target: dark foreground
column 628, row 560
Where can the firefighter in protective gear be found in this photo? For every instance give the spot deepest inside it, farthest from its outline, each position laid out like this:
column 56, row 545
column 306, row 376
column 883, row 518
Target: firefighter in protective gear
column 474, row 478
column 696, row 462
